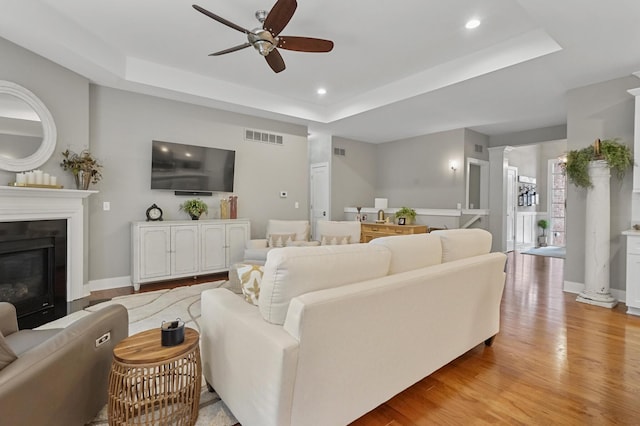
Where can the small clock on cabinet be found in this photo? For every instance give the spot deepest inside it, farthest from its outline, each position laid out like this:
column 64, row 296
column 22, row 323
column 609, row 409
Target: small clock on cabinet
column 154, row 213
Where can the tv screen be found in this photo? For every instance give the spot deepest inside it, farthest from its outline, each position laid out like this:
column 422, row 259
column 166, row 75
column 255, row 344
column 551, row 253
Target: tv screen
column 183, row 167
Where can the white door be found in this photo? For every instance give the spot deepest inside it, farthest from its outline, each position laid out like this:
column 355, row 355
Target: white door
column 320, row 181
column 212, row 248
column 184, row 249
column 512, row 176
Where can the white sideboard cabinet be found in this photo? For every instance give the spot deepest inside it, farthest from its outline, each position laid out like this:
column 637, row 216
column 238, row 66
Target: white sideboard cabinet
column 633, row 272
column 175, row 249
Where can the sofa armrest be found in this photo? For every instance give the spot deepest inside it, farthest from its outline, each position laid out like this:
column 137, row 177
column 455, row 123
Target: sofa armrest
column 68, row 370
column 8, row 319
column 256, row 244
column 246, row 359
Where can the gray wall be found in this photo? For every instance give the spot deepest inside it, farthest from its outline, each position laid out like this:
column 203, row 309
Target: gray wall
column 527, row 137
column 605, row 111
column 123, row 124
column 353, row 176
column 415, row 172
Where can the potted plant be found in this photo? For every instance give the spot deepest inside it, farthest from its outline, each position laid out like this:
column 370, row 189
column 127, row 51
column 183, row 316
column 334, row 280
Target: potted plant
column 83, row 166
column 407, row 213
column 542, row 239
column 618, row 157
column 194, row 208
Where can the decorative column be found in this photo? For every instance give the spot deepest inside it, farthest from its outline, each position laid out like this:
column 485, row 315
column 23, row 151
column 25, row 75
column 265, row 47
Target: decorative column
column 597, row 239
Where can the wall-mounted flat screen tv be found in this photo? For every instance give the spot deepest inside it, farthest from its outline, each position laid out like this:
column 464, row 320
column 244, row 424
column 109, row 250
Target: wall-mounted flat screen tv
column 183, row 167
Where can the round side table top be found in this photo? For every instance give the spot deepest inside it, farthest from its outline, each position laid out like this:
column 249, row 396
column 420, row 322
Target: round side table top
column 146, row 347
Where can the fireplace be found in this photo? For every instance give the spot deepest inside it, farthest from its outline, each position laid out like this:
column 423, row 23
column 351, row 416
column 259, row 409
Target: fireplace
column 33, row 269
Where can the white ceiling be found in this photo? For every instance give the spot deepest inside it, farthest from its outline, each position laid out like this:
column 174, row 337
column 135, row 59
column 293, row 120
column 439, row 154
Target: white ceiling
column 398, row 68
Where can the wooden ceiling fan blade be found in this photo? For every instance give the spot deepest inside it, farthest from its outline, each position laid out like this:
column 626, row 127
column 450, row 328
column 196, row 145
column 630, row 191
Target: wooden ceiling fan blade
column 231, row 49
column 305, row 44
column 275, row 61
column 220, row 19
column 279, row 16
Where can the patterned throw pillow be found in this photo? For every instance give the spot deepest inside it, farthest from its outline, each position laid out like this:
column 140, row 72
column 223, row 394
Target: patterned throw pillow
column 335, row 240
column 279, row 240
column 250, row 277
column 7, row 356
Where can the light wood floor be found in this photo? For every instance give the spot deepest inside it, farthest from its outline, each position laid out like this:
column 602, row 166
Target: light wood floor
column 554, row 362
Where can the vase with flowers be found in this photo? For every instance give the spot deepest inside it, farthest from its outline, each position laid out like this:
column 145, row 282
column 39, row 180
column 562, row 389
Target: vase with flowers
column 84, row 167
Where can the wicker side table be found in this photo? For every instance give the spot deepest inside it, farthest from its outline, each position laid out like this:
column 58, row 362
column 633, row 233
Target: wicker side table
column 151, row 384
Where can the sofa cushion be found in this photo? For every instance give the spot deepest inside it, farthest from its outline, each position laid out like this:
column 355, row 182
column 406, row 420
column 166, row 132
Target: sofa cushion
column 292, row 271
column 7, row 356
column 409, row 252
column 250, row 277
column 298, row 227
column 462, row 243
column 23, row 340
column 279, row 240
column 335, row 240
column 338, row 227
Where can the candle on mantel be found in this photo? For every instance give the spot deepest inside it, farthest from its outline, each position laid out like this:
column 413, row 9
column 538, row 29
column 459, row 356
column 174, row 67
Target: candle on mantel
column 46, row 179
column 38, row 177
column 31, row 178
column 21, row 178
column 53, row 180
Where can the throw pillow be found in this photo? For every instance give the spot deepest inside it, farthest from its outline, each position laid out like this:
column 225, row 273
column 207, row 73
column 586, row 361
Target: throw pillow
column 279, row 240
column 7, row 356
column 302, row 243
column 250, row 277
column 335, row 240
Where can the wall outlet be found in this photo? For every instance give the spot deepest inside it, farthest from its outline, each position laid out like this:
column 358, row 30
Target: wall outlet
column 106, row 206
column 283, row 194
column 296, row 205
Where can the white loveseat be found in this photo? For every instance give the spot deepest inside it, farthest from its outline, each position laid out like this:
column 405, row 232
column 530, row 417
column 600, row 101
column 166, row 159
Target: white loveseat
column 342, row 329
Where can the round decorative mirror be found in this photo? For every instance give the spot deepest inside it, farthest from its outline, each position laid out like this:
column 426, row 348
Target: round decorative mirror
column 27, row 131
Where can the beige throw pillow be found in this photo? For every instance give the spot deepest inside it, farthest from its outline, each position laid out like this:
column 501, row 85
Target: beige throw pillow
column 250, row 277
column 279, row 240
column 7, row 356
column 335, row 240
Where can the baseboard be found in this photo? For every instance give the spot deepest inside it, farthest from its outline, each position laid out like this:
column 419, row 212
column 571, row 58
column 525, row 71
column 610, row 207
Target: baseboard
column 109, row 283
column 573, row 287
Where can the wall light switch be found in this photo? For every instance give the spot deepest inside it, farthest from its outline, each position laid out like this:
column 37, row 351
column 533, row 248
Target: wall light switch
column 283, row 194
column 297, row 205
column 106, row 206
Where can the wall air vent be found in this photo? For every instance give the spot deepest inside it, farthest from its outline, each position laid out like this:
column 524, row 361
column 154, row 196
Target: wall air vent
column 265, row 137
column 478, row 148
column 339, row 151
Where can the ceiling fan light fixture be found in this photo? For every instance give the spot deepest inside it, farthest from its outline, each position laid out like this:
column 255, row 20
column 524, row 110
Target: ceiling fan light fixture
column 321, row 91
column 472, row 23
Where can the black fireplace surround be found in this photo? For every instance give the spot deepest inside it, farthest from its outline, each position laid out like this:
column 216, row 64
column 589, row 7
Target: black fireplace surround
column 33, row 269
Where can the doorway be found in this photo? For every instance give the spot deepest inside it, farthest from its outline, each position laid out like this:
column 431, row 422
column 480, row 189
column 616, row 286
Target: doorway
column 512, row 187
column 319, row 194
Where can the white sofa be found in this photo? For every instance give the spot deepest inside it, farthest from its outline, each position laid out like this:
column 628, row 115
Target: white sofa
column 256, row 250
column 341, row 329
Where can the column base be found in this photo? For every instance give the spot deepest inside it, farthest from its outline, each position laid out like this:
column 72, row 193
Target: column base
column 597, row 299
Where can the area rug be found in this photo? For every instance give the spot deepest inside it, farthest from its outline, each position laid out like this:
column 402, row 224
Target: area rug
column 549, row 251
column 147, row 311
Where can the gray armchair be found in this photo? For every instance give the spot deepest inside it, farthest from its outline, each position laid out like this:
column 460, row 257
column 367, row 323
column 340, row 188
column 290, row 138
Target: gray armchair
column 60, row 376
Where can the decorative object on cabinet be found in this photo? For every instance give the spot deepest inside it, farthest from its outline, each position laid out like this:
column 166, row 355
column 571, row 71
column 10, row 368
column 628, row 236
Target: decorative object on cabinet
column 176, row 249
column 380, row 204
column 194, row 208
column 542, row 239
column 408, row 214
column 224, row 208
column 358, row 215
column 402, row 221
column 233, row 207
column 616, row 155
column 527, row 193
column 83, row 166
column 370, row 231
column 154, row 213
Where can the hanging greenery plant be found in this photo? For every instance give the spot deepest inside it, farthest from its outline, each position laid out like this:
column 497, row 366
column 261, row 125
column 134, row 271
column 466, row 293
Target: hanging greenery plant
column 618, row 157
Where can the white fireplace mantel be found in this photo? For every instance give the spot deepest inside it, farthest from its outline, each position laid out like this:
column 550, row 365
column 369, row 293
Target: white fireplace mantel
column 21, row 204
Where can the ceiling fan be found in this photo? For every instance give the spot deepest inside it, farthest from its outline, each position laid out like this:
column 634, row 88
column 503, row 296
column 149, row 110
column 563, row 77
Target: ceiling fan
column 267, row 39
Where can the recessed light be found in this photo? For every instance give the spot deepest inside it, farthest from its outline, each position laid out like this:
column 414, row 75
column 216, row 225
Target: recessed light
column 472, row 23
column 321, row 91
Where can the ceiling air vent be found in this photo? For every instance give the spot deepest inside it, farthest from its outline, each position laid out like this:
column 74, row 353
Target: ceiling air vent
column 260, row 136
column 478, row 148
column 339, row 151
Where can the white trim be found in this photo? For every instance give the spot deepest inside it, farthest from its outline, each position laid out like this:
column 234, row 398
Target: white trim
column 577, row 288
column 109, row 283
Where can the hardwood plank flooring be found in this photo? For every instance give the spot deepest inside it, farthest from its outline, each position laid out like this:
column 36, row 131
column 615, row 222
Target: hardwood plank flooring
column 555, row 361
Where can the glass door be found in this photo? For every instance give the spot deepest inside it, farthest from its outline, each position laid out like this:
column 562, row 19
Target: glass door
column 557, row 204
